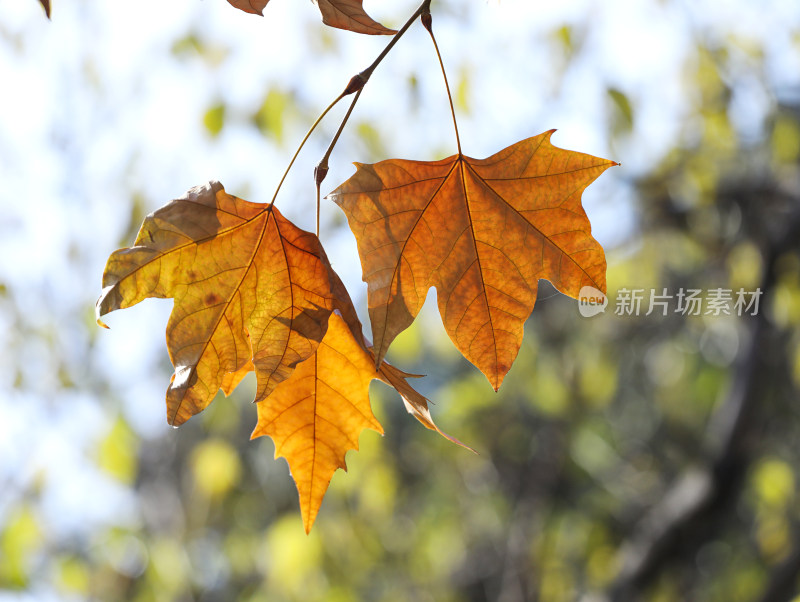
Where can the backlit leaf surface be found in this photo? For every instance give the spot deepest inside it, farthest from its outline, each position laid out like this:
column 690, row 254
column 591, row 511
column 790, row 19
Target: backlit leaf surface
column 483, row 232
column 248, row 285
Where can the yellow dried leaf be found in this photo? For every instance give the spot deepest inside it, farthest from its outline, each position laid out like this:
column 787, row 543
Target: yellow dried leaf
column 249, row 286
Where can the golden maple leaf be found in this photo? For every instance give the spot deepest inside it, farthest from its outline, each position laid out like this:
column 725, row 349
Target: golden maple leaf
column 316, row 415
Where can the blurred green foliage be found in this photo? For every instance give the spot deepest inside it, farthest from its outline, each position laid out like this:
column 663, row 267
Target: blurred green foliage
column 272, row 114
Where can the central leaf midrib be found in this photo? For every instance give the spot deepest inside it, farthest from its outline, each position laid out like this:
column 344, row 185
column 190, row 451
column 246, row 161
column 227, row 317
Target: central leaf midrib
column 462, row 162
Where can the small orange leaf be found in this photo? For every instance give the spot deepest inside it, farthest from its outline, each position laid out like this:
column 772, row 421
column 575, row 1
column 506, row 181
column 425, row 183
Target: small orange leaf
column 316, row 415
column 254, row 7
column 46, row 5
column 231, row 380
column 342, row 14
column 350, row 15
column 249, row 286
column 416, row 404
column 483, row 232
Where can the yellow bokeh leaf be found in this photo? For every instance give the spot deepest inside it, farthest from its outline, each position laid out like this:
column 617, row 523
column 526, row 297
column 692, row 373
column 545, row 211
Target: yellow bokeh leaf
column 774, row 482
column 216, row 467
column 118, row 452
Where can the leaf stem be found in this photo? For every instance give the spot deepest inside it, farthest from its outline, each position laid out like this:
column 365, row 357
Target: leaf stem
column 321, row 170
column 302, row 144
column 322, row 167
column 357, row 84
column 423, row 8
column 318, row 203
column 426, row 21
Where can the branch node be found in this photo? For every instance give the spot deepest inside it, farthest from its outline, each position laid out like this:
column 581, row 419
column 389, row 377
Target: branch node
column 357, row 82
column 427, row 21
column 320, row 172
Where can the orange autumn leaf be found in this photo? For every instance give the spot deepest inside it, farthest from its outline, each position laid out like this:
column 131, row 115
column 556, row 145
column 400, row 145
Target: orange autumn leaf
column 231, row 380
column 342, row 14
column 350, row 15
column 254, row 7
column 317, row 415
column 248, row 285
column 483, row 232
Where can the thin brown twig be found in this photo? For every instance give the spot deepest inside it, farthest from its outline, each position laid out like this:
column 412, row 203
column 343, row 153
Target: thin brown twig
column 355, row 84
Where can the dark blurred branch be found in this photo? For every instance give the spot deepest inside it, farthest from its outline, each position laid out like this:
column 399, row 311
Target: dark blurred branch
column 690, row 513
column 683, row 518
